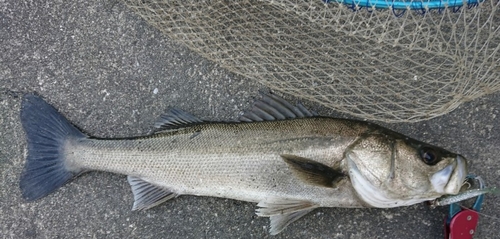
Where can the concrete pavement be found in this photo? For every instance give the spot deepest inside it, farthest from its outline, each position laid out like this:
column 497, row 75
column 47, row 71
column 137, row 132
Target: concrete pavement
column 112, row 75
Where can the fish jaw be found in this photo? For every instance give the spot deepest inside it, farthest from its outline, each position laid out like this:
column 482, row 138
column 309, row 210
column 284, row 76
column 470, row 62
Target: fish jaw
column 449, row 180
column 372, row 195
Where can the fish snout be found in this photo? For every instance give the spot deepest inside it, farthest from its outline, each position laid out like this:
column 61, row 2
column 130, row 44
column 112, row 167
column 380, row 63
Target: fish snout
column 449, row 180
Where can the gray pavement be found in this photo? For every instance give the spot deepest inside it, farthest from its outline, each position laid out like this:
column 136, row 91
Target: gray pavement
column 112, row 75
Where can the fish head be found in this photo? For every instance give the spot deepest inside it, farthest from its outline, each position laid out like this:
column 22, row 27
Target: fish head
column 392, row 170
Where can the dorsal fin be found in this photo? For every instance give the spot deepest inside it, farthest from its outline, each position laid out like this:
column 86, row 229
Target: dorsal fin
column 272, row 107
column 174, row 119
column 269, row 107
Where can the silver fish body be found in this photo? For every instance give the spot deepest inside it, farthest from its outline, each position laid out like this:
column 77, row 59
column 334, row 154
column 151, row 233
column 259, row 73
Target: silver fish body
column 233, row 160
column 283, row 158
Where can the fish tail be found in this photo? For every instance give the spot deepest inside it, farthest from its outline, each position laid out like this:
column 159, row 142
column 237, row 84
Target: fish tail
column 47, row 131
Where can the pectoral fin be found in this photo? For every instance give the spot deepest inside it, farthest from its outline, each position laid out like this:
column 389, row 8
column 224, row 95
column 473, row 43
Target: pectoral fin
column 313, row 172
column 282, row 212
column 147, row 195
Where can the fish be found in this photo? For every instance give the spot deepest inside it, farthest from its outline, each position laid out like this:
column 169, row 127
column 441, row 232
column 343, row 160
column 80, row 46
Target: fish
column 283, row 157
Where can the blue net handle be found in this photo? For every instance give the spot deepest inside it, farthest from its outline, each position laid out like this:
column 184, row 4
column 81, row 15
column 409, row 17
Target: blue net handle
column 413, row 5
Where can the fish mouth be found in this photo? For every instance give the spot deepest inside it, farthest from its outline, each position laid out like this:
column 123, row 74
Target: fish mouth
column 449, row 180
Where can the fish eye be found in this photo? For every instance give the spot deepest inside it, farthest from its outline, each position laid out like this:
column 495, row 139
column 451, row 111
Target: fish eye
column 429, row 156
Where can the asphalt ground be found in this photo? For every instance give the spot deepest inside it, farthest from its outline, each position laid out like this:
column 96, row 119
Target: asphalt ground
column 112, row 75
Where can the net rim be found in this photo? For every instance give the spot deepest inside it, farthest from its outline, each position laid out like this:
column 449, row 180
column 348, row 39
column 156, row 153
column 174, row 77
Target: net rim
column 408, row 5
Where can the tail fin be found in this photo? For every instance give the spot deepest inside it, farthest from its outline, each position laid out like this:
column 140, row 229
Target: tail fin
column 46, row 132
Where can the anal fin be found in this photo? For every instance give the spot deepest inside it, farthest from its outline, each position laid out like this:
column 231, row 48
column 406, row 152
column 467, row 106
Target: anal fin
column 282, row 212
column 147, row 195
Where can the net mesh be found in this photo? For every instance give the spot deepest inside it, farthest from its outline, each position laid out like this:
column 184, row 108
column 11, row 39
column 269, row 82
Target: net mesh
column 376, row 64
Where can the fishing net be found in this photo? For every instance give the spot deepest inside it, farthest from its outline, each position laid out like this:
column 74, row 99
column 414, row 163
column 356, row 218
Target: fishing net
column 402, row 63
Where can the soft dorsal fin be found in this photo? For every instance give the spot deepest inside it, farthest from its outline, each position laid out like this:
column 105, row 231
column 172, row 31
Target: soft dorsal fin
column 272, row 107
column 174, row 119
column 282, row 212
column 147, row 195
column 313, row 172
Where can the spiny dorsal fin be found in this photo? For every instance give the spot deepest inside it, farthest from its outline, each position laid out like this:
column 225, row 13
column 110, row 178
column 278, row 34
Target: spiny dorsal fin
column 147, row 195
column 282, row 212
column 313, row 172
column 174, row 119
column 272, row 107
